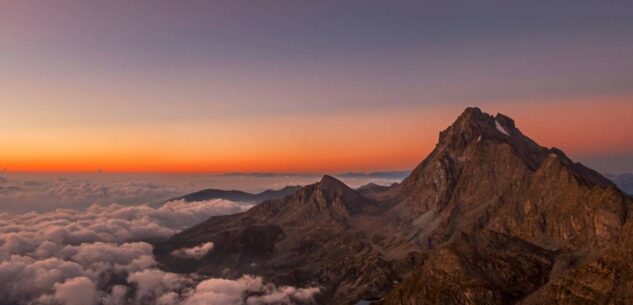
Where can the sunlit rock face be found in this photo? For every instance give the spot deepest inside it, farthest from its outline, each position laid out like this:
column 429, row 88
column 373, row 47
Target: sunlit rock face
column 489, row 217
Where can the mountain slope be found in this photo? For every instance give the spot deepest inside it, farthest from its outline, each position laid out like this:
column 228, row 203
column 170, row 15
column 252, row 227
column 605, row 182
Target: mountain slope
column 484, row 172
column 489, row 217
column 323, row 235
column 485, row 178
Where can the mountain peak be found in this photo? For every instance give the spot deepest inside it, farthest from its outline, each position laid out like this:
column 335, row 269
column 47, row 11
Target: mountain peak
column 474, row 123
column 478, row 140
column 505, row 120
column 474, row 128
column 328, row 178
column 471, row 117
column 330, row 183
column 472, row 113
column 487, row 199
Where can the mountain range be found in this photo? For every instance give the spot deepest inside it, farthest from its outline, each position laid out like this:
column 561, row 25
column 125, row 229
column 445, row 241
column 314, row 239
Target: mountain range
column 235, row 195
column 488, row 217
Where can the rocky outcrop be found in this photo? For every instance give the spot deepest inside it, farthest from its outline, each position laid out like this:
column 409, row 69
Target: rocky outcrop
column 323, row 235
column 485, row 268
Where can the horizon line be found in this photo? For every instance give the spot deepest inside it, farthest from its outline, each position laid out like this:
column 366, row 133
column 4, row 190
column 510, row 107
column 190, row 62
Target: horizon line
column 272, row 173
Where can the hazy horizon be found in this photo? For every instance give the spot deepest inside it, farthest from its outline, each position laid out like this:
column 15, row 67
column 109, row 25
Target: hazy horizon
column 26, row 192
column 298, row 86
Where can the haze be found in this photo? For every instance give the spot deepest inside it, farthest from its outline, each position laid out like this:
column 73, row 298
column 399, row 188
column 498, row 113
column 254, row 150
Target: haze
column 298, row 86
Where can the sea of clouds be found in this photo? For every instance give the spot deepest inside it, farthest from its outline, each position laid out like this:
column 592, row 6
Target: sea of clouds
column 101, row 255
column 85, row 239
column 21, row 193
column 24, row 192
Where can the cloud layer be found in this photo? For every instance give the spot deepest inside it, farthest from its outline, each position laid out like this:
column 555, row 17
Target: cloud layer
column 100, row 256
column 21, row 193
column 43, row 234
column 84, row 239
column 24, row 192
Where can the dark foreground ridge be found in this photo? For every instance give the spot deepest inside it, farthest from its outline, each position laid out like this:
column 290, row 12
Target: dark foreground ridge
column 489, row 217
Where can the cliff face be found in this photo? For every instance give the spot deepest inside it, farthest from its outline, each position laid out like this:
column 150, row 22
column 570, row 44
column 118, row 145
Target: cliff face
column 517, row 220
column 489, row 217
column 603, row 277
column 485, row 173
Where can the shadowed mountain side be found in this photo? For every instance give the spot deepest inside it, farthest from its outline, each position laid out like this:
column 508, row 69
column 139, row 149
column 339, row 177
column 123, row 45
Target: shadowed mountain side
column 489, row 217
column 324, row 235
column 379, row 192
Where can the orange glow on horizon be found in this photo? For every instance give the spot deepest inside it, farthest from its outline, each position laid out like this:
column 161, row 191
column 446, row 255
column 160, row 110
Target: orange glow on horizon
column 379, row 140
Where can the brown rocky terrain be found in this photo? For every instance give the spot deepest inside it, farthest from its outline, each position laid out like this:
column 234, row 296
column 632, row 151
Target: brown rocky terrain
column 489, row 217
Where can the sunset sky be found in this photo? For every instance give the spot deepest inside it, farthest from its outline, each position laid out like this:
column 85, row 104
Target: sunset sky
column 301, row 86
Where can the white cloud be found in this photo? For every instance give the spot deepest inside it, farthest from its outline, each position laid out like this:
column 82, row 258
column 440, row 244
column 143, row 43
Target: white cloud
column 153, row 284
column 100, row 256
column 230, row 292
column 21, row 194
column 77, row 291
column 23, row 277
column 42, row 234
column 194, row 252
column 117, row 296
column 223, row 292
column 284, row 295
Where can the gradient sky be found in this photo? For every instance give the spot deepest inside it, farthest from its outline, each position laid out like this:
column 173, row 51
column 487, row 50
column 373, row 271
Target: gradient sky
column 301, row 86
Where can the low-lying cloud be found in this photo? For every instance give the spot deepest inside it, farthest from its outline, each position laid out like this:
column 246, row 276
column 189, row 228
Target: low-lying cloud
column 196, row 252
column 101, row 256
column 42, row 234
column 84, row 239
column 21, row 193
column 42, row 193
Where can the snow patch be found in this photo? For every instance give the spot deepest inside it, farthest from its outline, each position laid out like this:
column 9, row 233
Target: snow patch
column 501, row 129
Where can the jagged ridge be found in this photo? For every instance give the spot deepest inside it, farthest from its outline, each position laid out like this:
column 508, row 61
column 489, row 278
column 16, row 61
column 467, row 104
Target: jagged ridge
column 489, row 217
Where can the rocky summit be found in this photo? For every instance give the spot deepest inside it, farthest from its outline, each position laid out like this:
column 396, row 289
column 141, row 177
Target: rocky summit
column 489, row 217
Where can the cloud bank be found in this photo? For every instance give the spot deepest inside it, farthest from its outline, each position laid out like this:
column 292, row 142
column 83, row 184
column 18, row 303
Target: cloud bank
column 35, row 192
column 25, row 192
column 101, row 256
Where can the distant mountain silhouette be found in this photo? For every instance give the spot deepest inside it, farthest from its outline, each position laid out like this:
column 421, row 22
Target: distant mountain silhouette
column 233, row 195
column 377, row 175
column 623, row 181
column 489, row 217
